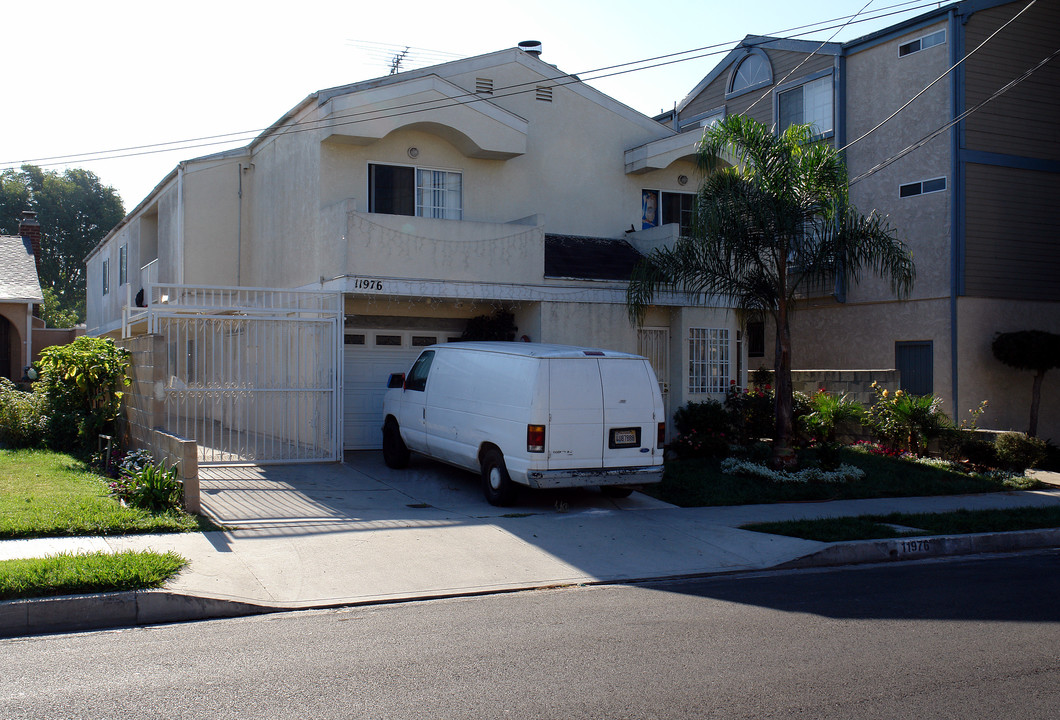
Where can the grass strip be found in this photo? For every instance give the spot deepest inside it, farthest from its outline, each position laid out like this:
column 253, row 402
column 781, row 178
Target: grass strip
column 872, row 527
column 70, row 574
column 700, row 483
column 50, row 494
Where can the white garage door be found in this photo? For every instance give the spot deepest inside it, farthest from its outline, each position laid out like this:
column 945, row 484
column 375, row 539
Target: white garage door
column 369, row 357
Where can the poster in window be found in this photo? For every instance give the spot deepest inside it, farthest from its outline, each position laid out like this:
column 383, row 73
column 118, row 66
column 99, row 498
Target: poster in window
column 649, row 205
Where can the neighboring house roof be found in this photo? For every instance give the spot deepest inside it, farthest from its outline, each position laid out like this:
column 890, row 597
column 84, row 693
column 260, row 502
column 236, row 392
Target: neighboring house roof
column 18, row 271
column 589, row 258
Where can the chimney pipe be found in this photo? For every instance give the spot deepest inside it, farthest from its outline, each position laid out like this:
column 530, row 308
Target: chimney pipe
column 28, row 227
column 531, row 47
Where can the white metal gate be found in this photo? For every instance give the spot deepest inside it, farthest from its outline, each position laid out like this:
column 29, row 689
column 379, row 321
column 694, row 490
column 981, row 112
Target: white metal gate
column 654, row 344
column 254, row 375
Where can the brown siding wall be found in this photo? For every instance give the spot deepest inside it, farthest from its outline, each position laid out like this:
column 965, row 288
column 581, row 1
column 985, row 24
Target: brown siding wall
column 783, row 62
column 1012, row 233
column 1025, row 120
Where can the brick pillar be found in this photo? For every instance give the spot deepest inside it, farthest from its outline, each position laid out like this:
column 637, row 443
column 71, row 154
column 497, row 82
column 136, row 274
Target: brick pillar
column 28, row 227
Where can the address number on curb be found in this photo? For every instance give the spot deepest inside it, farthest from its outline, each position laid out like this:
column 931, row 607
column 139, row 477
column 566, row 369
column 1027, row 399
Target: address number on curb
column 915, row 546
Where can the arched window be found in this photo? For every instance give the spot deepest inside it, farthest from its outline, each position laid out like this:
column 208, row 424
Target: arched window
column 753, row 71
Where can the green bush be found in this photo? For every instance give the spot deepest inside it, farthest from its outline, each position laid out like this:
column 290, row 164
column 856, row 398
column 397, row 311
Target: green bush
column 752, row 411
column 704, row 430
column 828, row 413
column 906, row 422
column 1017, row 451
column 81, row 383
column 143, row 484
column 22, row 419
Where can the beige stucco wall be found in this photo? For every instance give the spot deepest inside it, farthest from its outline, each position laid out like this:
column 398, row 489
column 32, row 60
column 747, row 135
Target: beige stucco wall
column 983, row 377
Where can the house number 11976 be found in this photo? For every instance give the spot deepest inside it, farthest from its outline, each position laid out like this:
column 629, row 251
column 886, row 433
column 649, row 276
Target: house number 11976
column 367, row 284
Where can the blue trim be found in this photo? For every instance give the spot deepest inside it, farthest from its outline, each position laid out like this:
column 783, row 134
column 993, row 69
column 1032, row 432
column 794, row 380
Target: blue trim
column 980, row 157
column 896, row 31
column 957, row 199
column 841, row 102
column 803, row 80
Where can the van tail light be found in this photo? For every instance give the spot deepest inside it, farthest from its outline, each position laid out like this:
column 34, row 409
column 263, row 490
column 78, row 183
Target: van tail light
column 535, row 438
column 662, row 435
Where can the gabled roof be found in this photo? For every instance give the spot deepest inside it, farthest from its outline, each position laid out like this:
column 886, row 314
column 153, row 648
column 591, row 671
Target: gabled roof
column 589, row 258
column 763, row 42
column 18, row 271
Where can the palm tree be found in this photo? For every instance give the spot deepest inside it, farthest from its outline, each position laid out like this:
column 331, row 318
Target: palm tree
column 775, row 221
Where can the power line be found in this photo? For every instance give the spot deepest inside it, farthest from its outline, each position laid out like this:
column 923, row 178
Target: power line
column 940, row 77
column 946, row 126
column 211, row 140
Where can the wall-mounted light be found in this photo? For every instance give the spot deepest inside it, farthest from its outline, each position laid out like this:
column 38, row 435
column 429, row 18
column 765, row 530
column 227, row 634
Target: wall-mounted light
column 414, row 152
column 682, row 179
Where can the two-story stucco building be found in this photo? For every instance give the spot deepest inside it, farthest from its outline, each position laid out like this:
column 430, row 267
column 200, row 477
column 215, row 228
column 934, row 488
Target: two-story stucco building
column 399, row 209
column 966, row 168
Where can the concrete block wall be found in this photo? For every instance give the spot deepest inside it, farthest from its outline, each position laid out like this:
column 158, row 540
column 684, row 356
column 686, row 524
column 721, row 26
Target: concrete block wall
column 855, row 383
column 142, row 414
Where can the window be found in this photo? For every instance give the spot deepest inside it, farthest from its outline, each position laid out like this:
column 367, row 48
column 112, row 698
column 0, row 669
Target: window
column 809, row 103
column 756, row 339
column 708, row 360
column 922, row 187
column 106, row 276
column 752, row 72
column 123, row 265
column 922, row 43
column 357, row 339
column 399, row 190
column 417, row 379
column 671, row 207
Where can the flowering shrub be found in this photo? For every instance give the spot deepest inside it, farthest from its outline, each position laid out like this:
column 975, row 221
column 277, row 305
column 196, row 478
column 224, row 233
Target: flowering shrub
column 704, row 430
column 844, row 473
column 23, row 422
column 143, row 484
column 905, row 422
column 752, row 410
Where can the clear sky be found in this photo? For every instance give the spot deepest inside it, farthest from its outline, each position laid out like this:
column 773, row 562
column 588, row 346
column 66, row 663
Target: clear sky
column 86, row 77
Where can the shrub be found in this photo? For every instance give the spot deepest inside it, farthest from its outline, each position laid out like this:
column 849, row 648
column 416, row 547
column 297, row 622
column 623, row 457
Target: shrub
column 22, row 419
column 81, row 383
column 143, row 484
column 827, row 413
column 905, row 422
column 704, row 430
column 752, row 411
column 1017, row 451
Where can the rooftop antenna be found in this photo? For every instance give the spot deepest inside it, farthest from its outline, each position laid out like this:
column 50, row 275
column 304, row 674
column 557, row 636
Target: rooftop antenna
column 395, row 62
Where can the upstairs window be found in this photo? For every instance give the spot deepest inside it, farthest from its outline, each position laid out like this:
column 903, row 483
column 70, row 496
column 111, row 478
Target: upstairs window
column 662, row 208
column 123, row 264
column 402, row 190
column 922, row 187
column 106, row 276
column 809, row 103
column 922, row 43
column 752, row 72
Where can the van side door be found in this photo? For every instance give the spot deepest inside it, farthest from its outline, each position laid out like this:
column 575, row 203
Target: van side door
column 412, row 409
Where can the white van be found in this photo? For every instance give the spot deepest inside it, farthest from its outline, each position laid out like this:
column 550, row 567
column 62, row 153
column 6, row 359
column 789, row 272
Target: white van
column 546, row 416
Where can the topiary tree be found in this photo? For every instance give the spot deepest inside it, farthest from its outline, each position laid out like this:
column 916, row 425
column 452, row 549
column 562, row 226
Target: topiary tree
column 1029, row 350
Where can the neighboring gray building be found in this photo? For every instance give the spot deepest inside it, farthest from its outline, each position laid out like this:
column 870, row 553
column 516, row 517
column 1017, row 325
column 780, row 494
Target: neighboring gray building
column 973, row 195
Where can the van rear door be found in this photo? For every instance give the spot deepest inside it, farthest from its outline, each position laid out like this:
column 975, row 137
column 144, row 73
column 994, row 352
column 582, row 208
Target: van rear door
column 575, row 414
column 629, row 424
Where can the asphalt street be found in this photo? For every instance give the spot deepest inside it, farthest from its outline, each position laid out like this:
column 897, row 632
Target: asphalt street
column 973, row 638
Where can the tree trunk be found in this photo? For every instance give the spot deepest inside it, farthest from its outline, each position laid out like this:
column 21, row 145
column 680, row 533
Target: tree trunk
column 1036, row 399
column 783, row 455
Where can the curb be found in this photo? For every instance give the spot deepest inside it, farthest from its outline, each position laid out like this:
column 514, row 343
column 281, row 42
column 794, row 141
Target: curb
column 78, row 613
column 919, row 548
column 70, row 613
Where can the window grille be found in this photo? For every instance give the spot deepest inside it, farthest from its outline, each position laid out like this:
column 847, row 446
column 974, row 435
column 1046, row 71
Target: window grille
column 708, row 360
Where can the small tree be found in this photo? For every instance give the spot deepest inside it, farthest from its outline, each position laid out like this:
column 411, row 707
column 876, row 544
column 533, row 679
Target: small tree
column 1029, row 350
column 82, row 389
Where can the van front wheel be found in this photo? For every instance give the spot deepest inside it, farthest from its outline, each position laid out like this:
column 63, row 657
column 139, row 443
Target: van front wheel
column 498, row 486
column 395, row 452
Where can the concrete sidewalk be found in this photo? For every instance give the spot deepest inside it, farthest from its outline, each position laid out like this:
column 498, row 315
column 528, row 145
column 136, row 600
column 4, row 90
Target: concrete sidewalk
column 316, row 536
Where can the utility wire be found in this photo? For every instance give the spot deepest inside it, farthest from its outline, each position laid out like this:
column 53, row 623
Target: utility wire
column 934, row 134
column 211, row 140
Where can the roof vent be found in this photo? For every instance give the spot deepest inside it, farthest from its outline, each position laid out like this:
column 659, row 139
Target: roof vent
column 533, row 47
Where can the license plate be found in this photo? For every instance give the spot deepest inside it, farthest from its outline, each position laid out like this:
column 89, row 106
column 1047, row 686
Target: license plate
column 627, row 437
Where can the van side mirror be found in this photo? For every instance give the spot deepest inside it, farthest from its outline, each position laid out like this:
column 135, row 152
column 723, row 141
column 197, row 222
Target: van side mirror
column 397, row 380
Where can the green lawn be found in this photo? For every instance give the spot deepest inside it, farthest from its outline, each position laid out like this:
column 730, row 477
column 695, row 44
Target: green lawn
column 67, row 574
column 49, row 494
column 871, row 527
column 698, row 483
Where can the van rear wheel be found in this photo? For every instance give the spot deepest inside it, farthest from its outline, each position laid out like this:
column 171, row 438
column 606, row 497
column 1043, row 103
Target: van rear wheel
column 395, row 452
column 497, row 485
